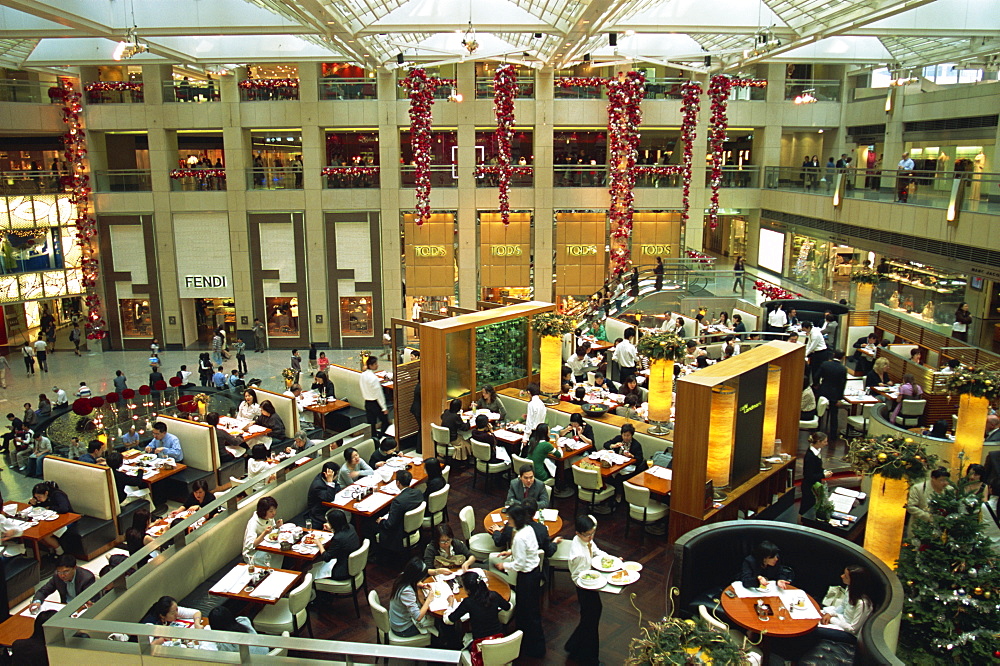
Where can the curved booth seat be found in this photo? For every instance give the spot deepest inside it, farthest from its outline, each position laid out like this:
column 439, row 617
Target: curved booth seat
column 708, row 558
column 879, row 425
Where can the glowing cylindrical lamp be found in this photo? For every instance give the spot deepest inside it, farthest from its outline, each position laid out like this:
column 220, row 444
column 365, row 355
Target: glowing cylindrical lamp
column 972, row 412
column 551, row 351
column 661, row 389
column 886, row 515
column 770, row 431
column 720, row 438
column 863, row 298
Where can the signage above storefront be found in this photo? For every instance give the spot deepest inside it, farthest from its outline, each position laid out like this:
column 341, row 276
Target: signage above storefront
column 206, row 281
column 429, row 250
column 581, row 250
column 655, row 250
column 506, row 250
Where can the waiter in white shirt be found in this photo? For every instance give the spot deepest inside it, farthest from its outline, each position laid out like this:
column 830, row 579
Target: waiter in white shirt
column 777, row 320
column 626, row 355
column 584, row 646
column 536, row 411
column 371, row 392
column 816, row 349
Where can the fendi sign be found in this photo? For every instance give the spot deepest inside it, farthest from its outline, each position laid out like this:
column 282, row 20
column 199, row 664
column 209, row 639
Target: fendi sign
column 506, row 250
column 581, row 250
column 654, row 250
column 429, row 250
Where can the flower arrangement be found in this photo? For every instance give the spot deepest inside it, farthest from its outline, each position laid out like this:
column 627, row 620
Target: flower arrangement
column 666, row 346
column 865, row 276
column 552, row 324
column 677, row 641
column 976, row 382
column 824, row 507
column 202, row 398
column 288, row 374
column 891, row 456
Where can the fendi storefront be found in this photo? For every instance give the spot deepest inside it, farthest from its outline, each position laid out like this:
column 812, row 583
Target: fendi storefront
column 505, row 256
column 430, row 268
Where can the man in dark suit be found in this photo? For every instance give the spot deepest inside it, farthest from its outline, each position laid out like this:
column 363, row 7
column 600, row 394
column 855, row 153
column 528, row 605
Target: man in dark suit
column 390, row 526
column 832, row 377
column 991, row 474
column 812, row 471
column 225, row 440
column 992, row 429
column 322, row 489
column 525, row 487
column 69, row 581
column 865, row 360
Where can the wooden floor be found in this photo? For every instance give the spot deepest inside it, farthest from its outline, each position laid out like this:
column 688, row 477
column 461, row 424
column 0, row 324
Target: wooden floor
column 336, row 620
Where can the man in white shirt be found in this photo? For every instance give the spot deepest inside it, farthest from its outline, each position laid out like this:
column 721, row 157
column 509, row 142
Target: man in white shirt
column 30, row 460
column 10, row 531
column 816, row 349
column 536, row 410
column 61, row 399
column 626, row 355
column 668, row 324
column 371, row 392
column 905, row 164
column 777, row 321
column 584, row 645
column 905, row 167
column 41, row 352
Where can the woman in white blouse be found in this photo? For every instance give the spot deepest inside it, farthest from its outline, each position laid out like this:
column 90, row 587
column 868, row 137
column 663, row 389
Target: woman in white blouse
column 248, row 409
column 584, row 646
column 259, row 526
column 846, row 608
column 526, row 562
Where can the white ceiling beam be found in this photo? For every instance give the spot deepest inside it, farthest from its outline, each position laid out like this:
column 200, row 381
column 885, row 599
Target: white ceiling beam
column 336, row 30
column 592, row 21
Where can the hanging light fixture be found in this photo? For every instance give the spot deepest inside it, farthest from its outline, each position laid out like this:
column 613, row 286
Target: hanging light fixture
column 130, row 46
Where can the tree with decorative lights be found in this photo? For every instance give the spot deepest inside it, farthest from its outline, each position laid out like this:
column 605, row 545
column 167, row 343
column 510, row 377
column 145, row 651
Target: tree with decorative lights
column 951, row 579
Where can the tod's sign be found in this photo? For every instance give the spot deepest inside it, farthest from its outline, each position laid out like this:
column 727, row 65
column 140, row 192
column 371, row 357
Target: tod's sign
column 581, row 250
column 429, row 250
column 654, row 250
column 506, row 250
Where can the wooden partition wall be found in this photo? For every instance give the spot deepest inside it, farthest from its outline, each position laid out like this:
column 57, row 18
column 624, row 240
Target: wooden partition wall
column 448, row 347
column 693, row 435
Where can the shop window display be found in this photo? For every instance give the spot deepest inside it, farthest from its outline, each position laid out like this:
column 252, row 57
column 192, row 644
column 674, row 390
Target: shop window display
column 135, row 317
column 282, row 317
column 356, row 316
column 810, row 262
column 920, row 291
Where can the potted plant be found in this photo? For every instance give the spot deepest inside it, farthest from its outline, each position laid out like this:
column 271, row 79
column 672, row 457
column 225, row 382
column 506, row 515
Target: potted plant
column 824, row 507
column 551, row 327
column 894, row 463
column 677, row 641
column 662, row 349
column 866, row 279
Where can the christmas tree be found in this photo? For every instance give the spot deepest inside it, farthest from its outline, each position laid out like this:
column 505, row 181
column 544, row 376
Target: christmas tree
column 951, row 579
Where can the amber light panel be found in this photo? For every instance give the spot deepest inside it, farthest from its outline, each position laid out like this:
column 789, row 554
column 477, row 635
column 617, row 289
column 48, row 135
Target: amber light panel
column 972, row 413
column 551, row 363
column 770, row 431
column 661, row 389
column 886, row 516
column 720, row 442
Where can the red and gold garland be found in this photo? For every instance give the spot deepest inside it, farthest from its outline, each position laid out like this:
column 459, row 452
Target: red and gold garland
column 690, row 106
column 350, row 171
column 773, row 292
column 113, row 86
column 625, row 94
column 505, row 90
column 421, row 88
column 268, row 84
column 78, row 183
column 699, row 257
column 200, row 174
column 718, row 92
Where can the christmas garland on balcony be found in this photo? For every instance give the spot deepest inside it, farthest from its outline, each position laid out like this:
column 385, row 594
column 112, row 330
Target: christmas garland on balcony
column 773, row 292
column 113, row 86
column 421, row 88
column 268, row 84
column 505, row 90
column 718, row 92
column 78, row 182
column 625, row 94
column 350, row 171
column 200, row 174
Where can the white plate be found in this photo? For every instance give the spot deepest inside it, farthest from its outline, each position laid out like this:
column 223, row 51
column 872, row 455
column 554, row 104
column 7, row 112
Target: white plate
column 615, row 565
column 599, row 580
column 626, row 577
column 51, row 517
column 631, row 566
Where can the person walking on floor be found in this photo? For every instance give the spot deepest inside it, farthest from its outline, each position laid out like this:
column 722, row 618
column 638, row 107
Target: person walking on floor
column 658, row 272
column 240, row 348
column 29, row 358
column 812, row 470
column 75, row 336
column 376, row 408
column 4, row 369
column 42, row 353
column 259, row 336
column 584, row 646
column 738, row 270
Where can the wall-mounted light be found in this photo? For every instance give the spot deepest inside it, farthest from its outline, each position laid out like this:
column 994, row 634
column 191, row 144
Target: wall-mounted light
column 612, row 39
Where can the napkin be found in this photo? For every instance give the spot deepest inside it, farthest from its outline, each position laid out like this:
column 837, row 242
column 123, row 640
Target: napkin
column 791, row 597
column 748, row 593
column 233, row 582
column 391, row 489
column 439, row 600
column 46, row 605
column 10, row 509
column 369, row 481
column 273, row 586
column 549, row 515
column 373, row 502
column 344, row 497
column 660, row 472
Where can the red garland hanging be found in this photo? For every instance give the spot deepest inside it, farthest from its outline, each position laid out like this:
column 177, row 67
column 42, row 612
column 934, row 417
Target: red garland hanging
column 718, row 92
column 690, row 106
column 78, row 184
column 505, row 90
column 421, row 88
column 773, row 292
column 625, row 94
column 699, row 257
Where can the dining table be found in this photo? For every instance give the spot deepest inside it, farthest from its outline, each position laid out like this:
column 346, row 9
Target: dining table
column 44, row 528
column 320, row 408
column 493, row 581
column 370, row 507
column 497, row 519
column 136, row 460
column 780, row 623
column 608, row 471
column 287, row 581
column 302, row 548
column 654, row 480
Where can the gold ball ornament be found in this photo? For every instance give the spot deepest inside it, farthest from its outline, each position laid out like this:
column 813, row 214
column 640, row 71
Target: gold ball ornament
column 987, row 594
column 882, row 457
column 977, row 591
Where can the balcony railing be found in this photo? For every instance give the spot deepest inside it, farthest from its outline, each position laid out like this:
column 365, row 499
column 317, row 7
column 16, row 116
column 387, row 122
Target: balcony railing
column 347, row 177
column 440, row 92
column 114, row 92
column 747, row 175
column 274, row 178
column 191, row 91
column 820, row 90
column 356, row 88
column 516, row 179
column 980, row 191
column 269, row 90
column 525, row 87
column 442, row 175
column 195, row 180
column 123, row 180
column 31, row 182
column 33, row 92
column 582, row 175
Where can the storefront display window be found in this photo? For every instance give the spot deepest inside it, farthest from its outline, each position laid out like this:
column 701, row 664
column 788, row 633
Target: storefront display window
column 810, row 262
column 135, row 316
column 356, row 316
column 282, row 317
column 920, row 290
column 771, row 250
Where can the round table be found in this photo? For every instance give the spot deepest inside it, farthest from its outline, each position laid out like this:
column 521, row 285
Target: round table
column 493, row 582
column 490, row 525
column 742, row 612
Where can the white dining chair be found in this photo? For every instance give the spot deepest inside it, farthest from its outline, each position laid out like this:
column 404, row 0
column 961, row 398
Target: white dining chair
column 288, row 613
column 356, row 564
